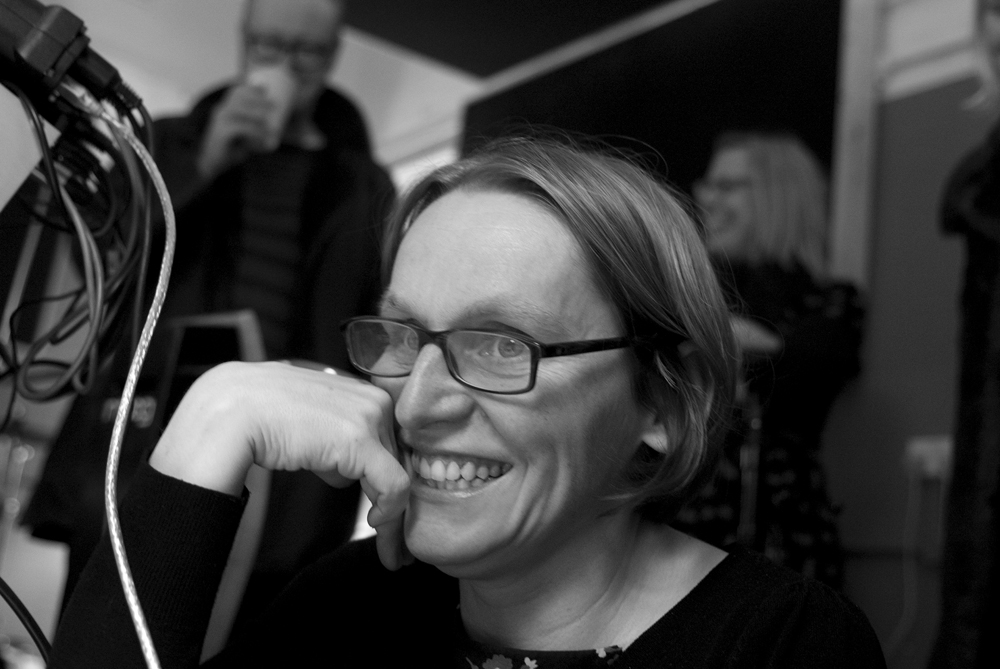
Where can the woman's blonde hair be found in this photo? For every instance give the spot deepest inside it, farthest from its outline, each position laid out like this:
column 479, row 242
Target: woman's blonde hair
column 789, row 198
column 644, row 251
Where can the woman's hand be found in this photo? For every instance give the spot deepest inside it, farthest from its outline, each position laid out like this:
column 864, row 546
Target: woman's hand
column 754, row 338
column 288, row 418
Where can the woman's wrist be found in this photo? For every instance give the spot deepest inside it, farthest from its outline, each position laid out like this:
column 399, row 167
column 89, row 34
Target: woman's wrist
column 206, row 442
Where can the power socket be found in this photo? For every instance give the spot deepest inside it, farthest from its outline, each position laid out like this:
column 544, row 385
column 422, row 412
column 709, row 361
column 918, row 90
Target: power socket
column 929, row 456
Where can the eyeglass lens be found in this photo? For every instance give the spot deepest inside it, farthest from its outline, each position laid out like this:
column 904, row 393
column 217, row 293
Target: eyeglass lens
column 485, row 360
column 303, row 56
column 723, row 185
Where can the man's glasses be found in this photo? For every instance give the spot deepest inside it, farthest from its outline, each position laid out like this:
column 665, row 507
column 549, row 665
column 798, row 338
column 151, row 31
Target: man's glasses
column 303, row 56
column 496, row 362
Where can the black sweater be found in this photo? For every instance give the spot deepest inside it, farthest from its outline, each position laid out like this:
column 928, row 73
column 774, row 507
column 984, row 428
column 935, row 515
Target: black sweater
column 347, row 610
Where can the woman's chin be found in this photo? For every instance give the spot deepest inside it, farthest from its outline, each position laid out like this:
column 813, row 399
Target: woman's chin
column 453, row 549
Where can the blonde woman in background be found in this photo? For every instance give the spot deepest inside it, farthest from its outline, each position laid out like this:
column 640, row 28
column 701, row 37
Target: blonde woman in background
column 764, row 210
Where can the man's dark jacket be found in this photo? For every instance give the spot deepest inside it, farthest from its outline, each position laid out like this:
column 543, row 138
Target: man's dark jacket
column 346, row 200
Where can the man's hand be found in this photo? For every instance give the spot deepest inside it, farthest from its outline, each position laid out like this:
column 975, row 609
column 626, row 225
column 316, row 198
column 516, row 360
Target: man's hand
column 237, row 128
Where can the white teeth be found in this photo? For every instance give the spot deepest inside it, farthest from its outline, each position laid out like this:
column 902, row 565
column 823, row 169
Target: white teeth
column 450, row 475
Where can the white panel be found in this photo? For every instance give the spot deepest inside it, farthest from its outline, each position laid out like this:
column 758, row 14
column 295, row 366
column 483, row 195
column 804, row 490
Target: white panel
column 18, row 145
column 920, row 27
column 925, row 44
column 412, row 103
column 930, row 73
column 169, row 51
column 172, row 51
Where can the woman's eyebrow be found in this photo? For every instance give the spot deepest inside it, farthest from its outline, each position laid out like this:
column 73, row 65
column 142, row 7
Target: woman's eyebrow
column 529, row 318
column 389, row 301
column 501, row 310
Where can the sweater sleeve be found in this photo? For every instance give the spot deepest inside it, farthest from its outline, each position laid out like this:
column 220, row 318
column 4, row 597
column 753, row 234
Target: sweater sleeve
column 177, row 539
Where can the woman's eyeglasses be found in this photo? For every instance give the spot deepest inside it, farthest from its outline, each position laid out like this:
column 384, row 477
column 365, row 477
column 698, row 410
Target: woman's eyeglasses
column 724, row 185
column 496, row 362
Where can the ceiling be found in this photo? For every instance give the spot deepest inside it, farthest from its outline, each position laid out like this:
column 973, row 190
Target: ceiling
column 483, row 37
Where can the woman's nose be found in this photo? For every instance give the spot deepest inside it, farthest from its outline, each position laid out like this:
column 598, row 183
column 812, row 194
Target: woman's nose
column 430, row 394
column 705, row 195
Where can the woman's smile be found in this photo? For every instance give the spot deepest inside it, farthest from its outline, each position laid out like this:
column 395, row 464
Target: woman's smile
column 454, row 472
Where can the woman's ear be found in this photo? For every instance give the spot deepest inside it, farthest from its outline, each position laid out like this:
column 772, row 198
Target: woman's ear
column 655, row 436
column 659, row 434
column 656, row 432
column 697, row 372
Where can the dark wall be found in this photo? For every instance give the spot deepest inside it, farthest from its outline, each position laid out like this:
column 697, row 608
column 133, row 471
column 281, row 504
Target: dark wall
column 910, row 362
column 733, row 64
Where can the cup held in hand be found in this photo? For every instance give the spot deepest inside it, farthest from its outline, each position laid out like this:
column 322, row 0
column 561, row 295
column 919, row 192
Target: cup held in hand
column 279, row 86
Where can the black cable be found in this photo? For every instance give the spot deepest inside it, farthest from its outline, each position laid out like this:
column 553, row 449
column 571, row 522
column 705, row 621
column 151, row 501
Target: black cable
column 104, row 201
column 93, row 282
column 26, row 619
column 147, row 135
column 8, row 411
column 77, row 155
column 70, row 321
column 113, row 231
column 44, row 219
column 43, row 143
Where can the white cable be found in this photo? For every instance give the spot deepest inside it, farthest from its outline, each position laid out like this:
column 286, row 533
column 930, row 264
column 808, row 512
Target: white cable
column 93, row 108
column 911, row 584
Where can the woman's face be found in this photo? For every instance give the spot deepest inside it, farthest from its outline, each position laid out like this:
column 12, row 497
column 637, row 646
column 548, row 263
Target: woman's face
column 476, row 259
column 725, row 198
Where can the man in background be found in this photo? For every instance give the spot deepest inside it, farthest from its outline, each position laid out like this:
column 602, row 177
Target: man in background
column 279, row 208
column 286, row 225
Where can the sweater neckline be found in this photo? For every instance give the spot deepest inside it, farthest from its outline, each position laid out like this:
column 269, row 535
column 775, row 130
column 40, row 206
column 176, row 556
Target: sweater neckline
column 471, row 654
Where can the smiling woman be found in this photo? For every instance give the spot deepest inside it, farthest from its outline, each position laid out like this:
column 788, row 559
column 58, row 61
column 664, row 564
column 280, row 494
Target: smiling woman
column 550, row 370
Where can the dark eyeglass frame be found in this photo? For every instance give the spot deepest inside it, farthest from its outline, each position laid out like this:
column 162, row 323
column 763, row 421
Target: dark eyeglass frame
column 537, row 349
column 724, row 185
column 304, row 56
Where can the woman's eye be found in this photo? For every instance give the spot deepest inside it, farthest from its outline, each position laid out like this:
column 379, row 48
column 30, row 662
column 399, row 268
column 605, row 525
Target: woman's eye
column 411, row 340
column 510, row 348
column 403, row 338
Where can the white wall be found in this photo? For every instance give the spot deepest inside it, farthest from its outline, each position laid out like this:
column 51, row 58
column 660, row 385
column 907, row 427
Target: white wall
column 926, row 44
column 170, row 51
